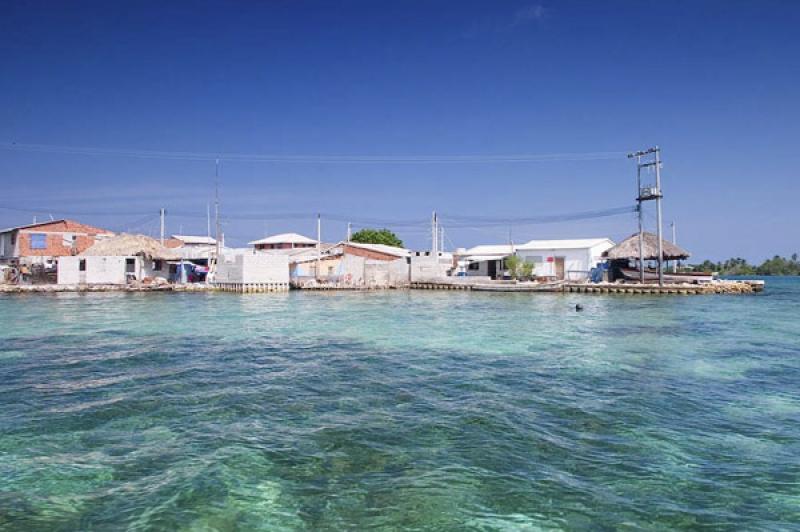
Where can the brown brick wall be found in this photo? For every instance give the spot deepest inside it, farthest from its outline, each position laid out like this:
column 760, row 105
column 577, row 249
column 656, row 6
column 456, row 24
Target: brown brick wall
column 54, row 238
column 367, row 253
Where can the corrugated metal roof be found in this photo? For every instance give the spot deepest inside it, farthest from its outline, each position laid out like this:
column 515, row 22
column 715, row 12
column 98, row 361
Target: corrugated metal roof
column 188, row 239
column 284, row 238
column 482, row 258
column 379, row 248
column 579, row 243
column 500, row 249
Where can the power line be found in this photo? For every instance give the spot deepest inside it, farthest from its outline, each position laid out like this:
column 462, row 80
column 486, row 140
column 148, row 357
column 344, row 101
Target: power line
column 278, row 158
column 453, row 221
column 472, row 221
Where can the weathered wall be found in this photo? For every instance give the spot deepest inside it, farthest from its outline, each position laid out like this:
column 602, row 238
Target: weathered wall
column 8, row 245
column 105, row 270
column 63, row 238
column 68, row 270
column 99, row 270
column 367, row 253
column 253, row 269
column 386, row 273
column 426, row 268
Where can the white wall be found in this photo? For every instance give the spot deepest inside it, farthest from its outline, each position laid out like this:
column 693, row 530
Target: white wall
column 99, row 270
column 253, row 269
column 147, row 269
column 68, row 270
column 380, row 273
column 426, row 268
column 105, row 270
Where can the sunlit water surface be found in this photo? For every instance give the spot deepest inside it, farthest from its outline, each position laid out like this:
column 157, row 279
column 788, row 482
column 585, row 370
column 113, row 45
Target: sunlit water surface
column 399, row 410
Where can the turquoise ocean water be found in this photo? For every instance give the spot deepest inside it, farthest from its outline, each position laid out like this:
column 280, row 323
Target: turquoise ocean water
column 400, row 410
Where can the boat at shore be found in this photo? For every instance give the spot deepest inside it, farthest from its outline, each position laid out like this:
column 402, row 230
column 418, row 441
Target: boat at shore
column 634, row 274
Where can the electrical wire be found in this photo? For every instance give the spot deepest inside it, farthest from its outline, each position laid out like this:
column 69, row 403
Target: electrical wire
column 277, row 158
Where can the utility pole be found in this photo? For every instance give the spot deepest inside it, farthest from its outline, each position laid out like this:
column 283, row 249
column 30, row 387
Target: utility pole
column 659, row 218
column 349, row 231
column 649, row 193
column 434, row 235
column 641, row 216
column 216, row 212
column 161, row 213
column 319, row 244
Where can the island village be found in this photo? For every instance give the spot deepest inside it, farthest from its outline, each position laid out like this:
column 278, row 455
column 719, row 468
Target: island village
column 68, row 255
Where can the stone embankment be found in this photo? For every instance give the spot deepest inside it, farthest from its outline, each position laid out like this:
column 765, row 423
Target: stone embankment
column 136, row 287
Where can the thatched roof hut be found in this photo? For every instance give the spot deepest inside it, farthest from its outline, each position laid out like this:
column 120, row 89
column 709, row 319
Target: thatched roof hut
column 125, row 245
column 629, row 249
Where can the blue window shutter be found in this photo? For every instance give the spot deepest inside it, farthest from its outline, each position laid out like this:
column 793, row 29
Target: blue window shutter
column 38, row 241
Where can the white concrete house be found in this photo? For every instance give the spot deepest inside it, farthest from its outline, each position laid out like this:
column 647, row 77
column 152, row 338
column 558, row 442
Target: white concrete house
column 249, row 268
column 564, row 259
column 117, row 260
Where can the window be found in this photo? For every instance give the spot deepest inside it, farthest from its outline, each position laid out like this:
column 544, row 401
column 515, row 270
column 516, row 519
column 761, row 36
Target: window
column 158, row 265
column 82, row 265
column 38, row 241
column 130, row 265
column 474, row 266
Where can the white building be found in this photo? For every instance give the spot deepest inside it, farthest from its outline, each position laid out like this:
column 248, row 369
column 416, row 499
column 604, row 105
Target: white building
column 241, row 271
column 117, row 270
column 117, row 260
column 564, row 259
column 483, row 261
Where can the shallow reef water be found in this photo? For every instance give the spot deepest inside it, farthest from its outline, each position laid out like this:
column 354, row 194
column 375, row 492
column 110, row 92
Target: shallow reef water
column 400, row 410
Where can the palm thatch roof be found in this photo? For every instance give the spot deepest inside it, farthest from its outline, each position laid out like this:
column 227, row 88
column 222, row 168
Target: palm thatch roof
column 125, row 245
column 629, row 249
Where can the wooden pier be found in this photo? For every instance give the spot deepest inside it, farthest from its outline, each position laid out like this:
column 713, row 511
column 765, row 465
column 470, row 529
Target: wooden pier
column 716, row 287
column 251, row 288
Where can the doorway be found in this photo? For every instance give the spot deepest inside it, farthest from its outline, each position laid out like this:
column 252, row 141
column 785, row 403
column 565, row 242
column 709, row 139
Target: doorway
column 492, row 268
column 559, row 262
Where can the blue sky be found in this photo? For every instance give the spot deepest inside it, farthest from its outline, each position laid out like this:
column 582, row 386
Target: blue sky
column 715, row 84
